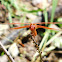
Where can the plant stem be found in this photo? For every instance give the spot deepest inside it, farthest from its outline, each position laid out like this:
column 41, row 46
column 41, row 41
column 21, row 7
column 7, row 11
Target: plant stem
column 7, row 53
column 34, row 41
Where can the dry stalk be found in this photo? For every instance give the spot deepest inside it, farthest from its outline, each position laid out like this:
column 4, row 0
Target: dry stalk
column 7, row 53
column 34, row 41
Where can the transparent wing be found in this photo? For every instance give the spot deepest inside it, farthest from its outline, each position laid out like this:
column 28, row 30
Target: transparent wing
column 39, row 23
column 18, row 23
column 49, row 23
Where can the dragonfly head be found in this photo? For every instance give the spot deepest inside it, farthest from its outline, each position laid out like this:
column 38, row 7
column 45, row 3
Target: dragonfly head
column 32, row 26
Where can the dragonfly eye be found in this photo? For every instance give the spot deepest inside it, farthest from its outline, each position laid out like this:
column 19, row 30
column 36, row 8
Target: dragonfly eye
column 32, row 27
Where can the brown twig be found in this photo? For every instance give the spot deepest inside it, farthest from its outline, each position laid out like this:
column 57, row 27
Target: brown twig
column 34, row 41
column 7, row 53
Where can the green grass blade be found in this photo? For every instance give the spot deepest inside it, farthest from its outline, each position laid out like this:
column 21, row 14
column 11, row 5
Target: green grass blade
column 31, row 11
column 45, row 15
column 48, row 31
column 54, row 4
column 10, row 19
column 44, row 39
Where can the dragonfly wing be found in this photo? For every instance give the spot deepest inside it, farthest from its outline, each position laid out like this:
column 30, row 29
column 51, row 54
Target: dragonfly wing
column 38, row 26
column 18, row 23
column 49, row 23
column 21, row 27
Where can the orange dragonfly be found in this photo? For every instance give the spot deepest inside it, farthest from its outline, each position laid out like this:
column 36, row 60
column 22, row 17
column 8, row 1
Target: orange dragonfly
column 34, row 26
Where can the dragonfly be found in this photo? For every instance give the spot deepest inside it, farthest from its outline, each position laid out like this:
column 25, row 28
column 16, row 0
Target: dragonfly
column 34, row 26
